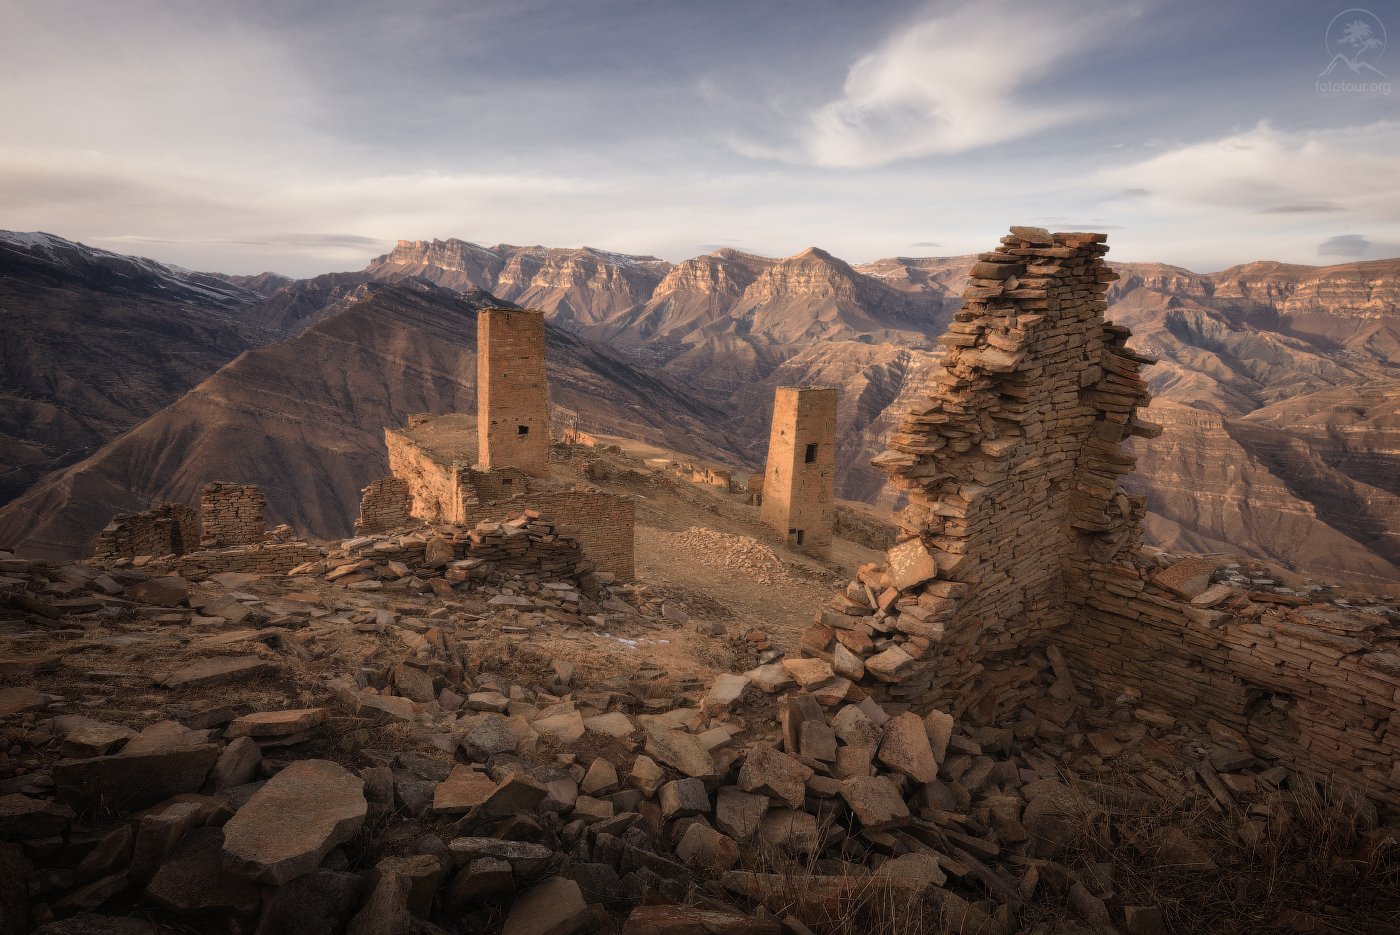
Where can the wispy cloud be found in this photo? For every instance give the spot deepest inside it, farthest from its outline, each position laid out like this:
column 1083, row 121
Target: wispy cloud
column 949, row 82
column 1316, row 207
column 1272, row 171
column 1357, row 247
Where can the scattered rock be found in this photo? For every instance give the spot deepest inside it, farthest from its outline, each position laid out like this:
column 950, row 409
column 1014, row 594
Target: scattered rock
column 329, row 805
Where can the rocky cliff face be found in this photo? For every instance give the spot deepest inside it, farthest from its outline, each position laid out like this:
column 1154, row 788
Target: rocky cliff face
column 578, row 287
column 93, row 342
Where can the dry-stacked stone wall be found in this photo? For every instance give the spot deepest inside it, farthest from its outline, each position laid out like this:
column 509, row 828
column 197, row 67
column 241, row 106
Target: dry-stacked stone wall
column 169, row 529
column 1018, row 533
column 385, row 504
column 1006, row 465
column 603, row 524
column 263, row 558
column 231, row 514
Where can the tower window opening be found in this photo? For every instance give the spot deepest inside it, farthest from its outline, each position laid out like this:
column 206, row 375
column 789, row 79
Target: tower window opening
column 522, row 430
column 811, row 455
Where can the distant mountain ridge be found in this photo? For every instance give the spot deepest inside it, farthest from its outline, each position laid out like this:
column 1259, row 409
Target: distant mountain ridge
column 1277, row 382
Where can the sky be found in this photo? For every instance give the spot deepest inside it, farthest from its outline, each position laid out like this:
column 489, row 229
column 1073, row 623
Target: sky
column 304, row 137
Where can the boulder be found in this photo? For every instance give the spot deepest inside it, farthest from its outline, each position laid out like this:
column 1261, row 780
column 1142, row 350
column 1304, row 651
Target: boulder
column 329, row 806
column 481, row 878
column 703, row 846
column 565, row 727
column 463, row 790
column 193, row 879
column 128, row 782
column 236, row 765
column 554, row 907
column 906, row 748
column 724, row 693
column 385, row 912
column 317, row 903
column 25, row 818
column 772, row 773
column 939, row 727
column 220, row 670
column 168, row 591
column 612, row 724
column 809, row 673
column 683, row 798
column 738, row 813
column 909, row 564
column 876, row 801
column 601, row 778
column 680, row 751
column 527, row 860
column 276, row 723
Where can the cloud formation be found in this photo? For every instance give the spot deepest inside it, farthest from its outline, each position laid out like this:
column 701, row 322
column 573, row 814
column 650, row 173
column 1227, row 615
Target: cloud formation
column 953, row 80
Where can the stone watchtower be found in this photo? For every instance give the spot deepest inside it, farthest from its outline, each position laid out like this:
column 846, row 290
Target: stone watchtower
column 512, row 394
column 798, row 485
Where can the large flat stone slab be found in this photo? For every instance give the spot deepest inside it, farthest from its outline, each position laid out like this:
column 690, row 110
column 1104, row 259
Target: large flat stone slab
column 130, row 781
column 220, row 670
column 292, row 822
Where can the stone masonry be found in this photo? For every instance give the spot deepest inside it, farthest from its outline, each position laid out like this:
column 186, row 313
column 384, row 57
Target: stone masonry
column 385, row 504
column 169, row 529
column 231, row 514
column 798, row 485
column 512, row 392
column 1018, row 536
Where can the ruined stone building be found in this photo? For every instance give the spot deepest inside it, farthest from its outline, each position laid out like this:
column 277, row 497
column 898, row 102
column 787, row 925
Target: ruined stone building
column 1017, row 536
column 454, row 468
column 227, row 533
column 798, row 486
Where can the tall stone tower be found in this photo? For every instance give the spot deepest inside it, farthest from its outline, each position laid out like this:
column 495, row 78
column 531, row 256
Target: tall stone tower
column 798, row 485
column 512, row 395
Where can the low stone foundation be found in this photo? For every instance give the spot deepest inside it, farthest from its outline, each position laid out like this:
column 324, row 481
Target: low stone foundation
column 169, row 529
column 264, row 558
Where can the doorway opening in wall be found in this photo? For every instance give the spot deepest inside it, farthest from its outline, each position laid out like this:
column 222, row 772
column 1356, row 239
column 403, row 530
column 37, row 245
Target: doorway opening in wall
column 799, row 537
column 811, row 456
column 522, row 430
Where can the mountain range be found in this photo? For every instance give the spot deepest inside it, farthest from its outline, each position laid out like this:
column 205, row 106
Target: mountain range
column 1279, row 385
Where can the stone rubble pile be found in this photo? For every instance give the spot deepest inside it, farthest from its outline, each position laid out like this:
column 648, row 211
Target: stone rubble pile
column 529, row 547
column 739, row 553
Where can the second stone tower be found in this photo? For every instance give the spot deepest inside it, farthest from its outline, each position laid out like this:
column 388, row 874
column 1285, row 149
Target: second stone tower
column 512, row 392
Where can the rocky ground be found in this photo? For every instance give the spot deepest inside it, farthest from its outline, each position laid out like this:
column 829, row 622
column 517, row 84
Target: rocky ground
column 369, row 745
column 467, row 730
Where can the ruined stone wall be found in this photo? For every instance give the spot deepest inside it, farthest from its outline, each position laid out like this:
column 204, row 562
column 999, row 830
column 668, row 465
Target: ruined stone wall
column 1017, row 534
column 512, row 392
column 433, row 488
column 604, row 524
column 264, row 558
column 231, row 514
column 482, row 487
column 385, row 504
column 169, row 529
column 799, row 481
column 1009, row 466
column 1314, row 687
